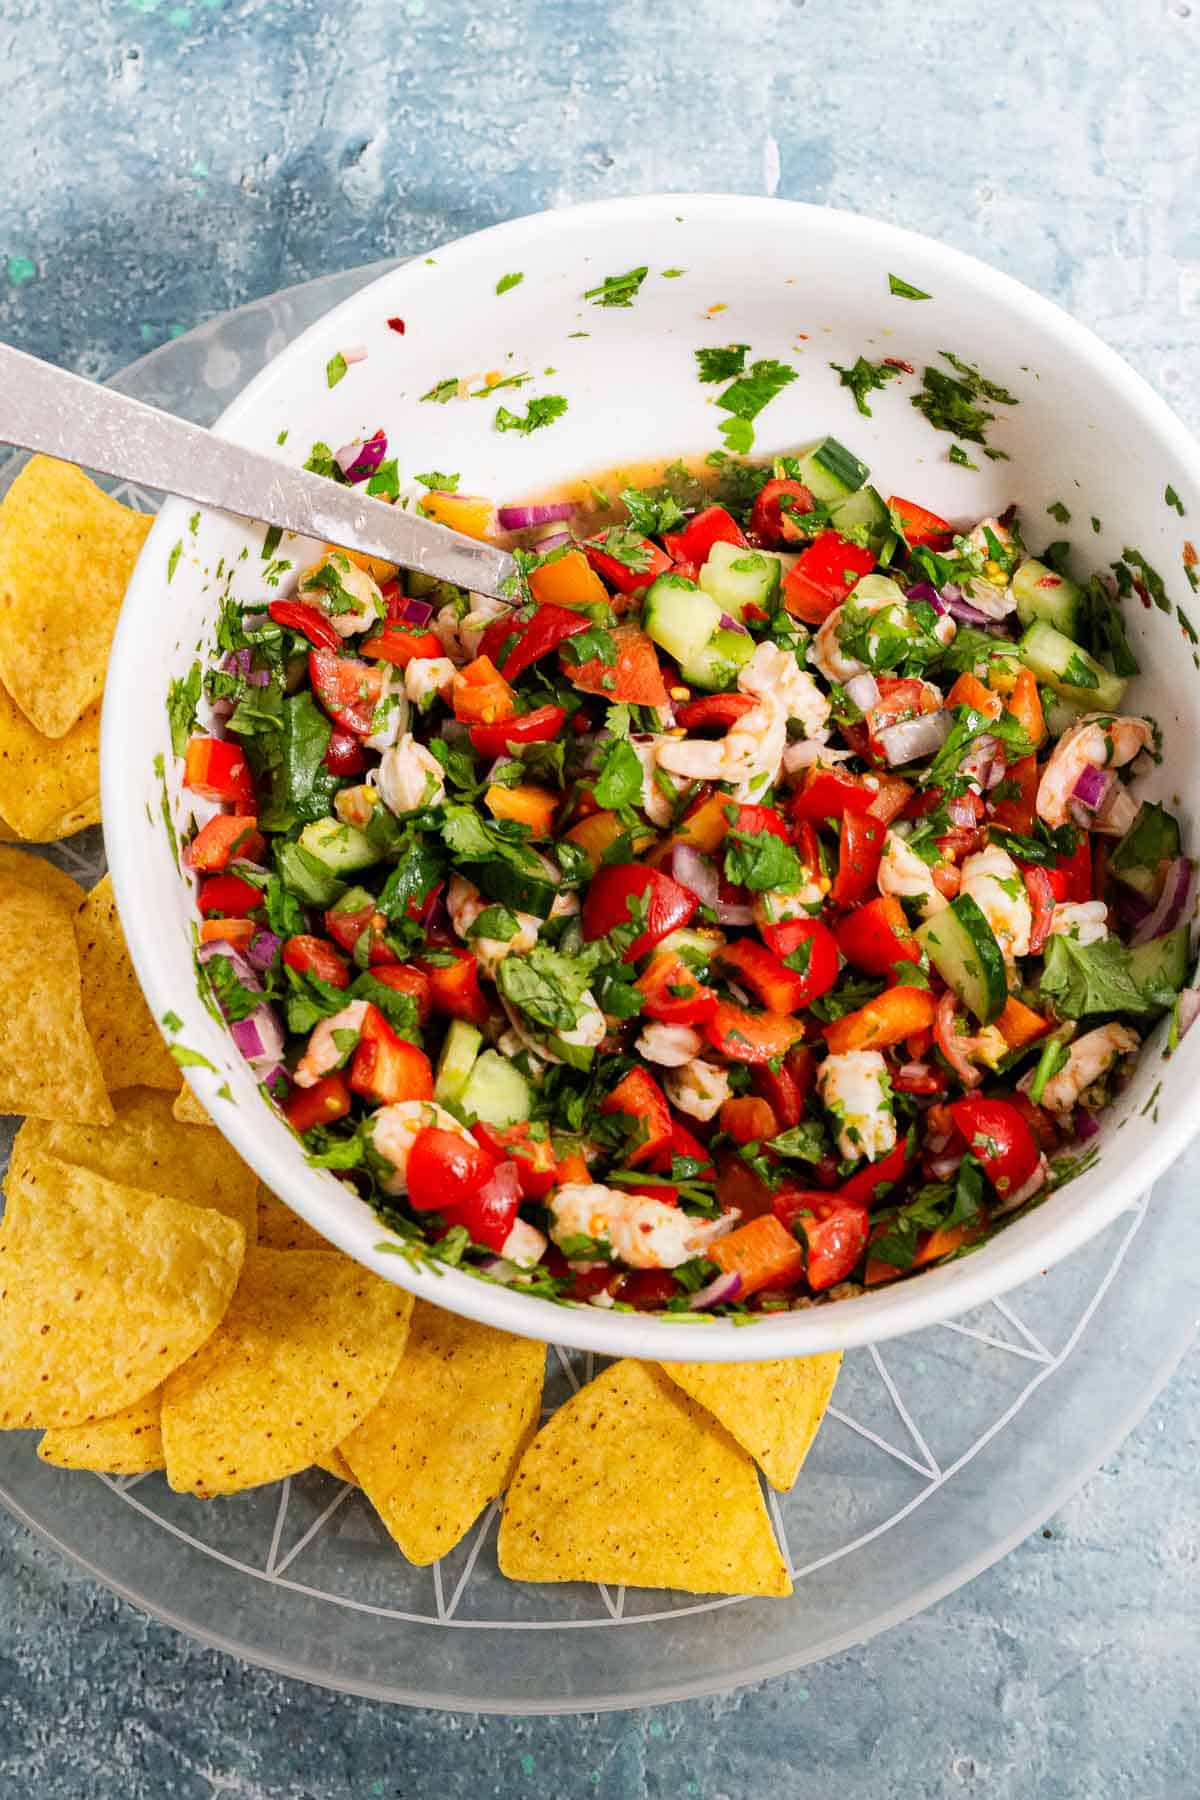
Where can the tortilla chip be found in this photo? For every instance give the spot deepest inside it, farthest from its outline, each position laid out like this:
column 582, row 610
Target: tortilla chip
column 127, row 1443
column 279, row 1228
column 451, row 1427
column 188, row 1110
column 49, row 787
column 632, row 1482
column 104, row 1289
column 302, row 1356
column 48, row 1063
column 42, row 876
column 772, row 1409
column 129, row 1044
column 335, row 1464
column 147, row 1147
column 66, row 554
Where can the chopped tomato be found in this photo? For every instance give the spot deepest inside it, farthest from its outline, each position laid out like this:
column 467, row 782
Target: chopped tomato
column 664, row 1191
column 773, row 515
column 1039, row 1121
column 346, row 927
column 822, row 576
column 298, row 615
column 344, row 754
column 568, row 581
column 349, row 690
column 313, row 956
column 387, row 1069
column 635, row 679
column 228, row 894
column 541, row 726
column 515, row 647
column 237, row 932
column 1016, row 811
column 400, row 644
column 225, row 837
column 712, row 525
column 752, row 820
column 830, row 794
column 748, row 1037
column 405, row 979
column 713, row 711
column 216, row 769
column 741, row 1189
column 454, row 987
column 445, row 1169
column 780, row 1089
column 481, row 694
column 684, row 1143
column 622, row 576
column 490, row 1213
column 764, row 1253
column 901, row 697
column 999, row 1136
column 671, row 993
column 537, row 1165
column 919, row 1078
column 327, row 1100
column 778, row 988
column 668, row 906
column 1071, row 876
column 876, row 936
column 639, row 1096
column 892, row 795
column 870, row 1183
column 748, row 1119
column 920, row 526
column 811, row 944
column 647, row 1290
column 1040, row 888
column 859, row 854
column 835, row 1231
column 888, row 1019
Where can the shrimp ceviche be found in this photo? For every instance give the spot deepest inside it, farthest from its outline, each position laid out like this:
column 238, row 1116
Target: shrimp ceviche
column 755, row 908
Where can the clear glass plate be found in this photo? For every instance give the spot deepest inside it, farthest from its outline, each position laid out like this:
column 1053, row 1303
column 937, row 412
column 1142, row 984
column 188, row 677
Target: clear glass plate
column 939, row 1454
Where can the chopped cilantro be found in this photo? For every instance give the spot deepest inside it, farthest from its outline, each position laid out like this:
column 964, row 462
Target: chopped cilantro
column 904, row 290
column 956, row 454
column 760, row 861
column 506, row 282
column 618, row 290
column 539, row 412
column 182, row 699
column 1172, row 499
column 270, row 543
column 385, row 482
column 620, row 780
column 441, row 391
column 748, row 395
column 335, row 369
column 738, row 435
column 722, row 364
column 173, row 559
column 435, row 479
column 1058, row 511
column 862, row 378
column 652, row 512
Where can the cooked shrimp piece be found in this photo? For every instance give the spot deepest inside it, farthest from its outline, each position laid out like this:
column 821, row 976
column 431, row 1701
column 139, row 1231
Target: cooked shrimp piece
column 902, row 873
column 1084, row 920
column 410, row 777
column 749, row 756
column 671, row 1046
column 465, row 903
column 642, row 1232
column 323, row 1053
column 1104, row 740
column 698, row 1089
column 1089, row 1057
column 994, row 882
column 347, row 595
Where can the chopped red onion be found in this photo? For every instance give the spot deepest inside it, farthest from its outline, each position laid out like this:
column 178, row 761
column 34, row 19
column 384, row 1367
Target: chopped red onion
column 864, row 691
column 1086, row 1125
column 355, row 354
column 1174, row 905
column 241, row 966
column 729, row 623
column 260, row 1037
column 237, row 662
column 519, row 518
column 1092, row 785
column 962, row 609
column 358, row 461
column 925, row 590
column 730, row 914
column 554, row 541
column 262, row 950
column 943, row 1167
column 727, row 1286
column 416, row 612
column 1117, row 812
column 278, row 1082
column 1189, row 1008
column 914, row 738
column 917, row 1071
column 694, row 872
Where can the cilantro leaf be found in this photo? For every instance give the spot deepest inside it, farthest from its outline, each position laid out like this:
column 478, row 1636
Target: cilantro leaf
column 434, row 478
column 752, row 391
column 862, row 378
column 620, row 779
column 760, row 861
column 1082, row 979
column 652, row 512
column 617, row 290
column 538, row 413
column 1058, row 511
column 507, row 282
column 335, row 369
column 182, row 699
column 441, row 391
column 722, row 364
column 904, row 290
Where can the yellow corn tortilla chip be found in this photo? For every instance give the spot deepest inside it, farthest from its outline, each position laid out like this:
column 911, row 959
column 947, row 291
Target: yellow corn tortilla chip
column 279, row 1228
column 772, row 1409
column 632, row 1482
column 147, row 1147
column 303, row 1354
column 104, row 1289
column 188, row 1110
column 335, row 1464
column 49, row 787
column 42, row 876
column 449, row 1430
column 129, row 1044
column 66, row 554
column 127, row 1443
column 48, row 1063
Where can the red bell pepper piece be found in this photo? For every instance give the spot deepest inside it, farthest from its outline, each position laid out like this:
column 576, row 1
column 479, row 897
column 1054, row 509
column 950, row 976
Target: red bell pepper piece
column 781, row 1091
column 713, row 710
column 751, row 820
column 528, row 642
column 668, row 905
column 870, row 1183
column 541, row 726
column 823, row 575
column 1073, row 874
column 778, row 988
column 748, row 1037
column 999, row 1136
column 1016, row 811
column 310, row 955
column 537, row 1165
column 672, row 994
column 216, row 769
column 640, row 1096
column 647, row 1290
column 685, row 1143
column 454, row 987
column 835, row 1232
column 327, row 1100
column 386, row 1068
column 711, row 526
column 636, row 678
column 225, row 837
column 875, row 937
column 828, row 794
column 401, row 644
column 405, row 979
column 619, row 575
column 298, row 615
column 920, row 526
column 858, row 858
column 349, row 690
column 230, row 895
column 820, row 959
column 773, row 515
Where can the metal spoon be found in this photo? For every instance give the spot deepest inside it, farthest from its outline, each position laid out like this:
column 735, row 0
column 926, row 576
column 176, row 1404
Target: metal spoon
column 47, row 409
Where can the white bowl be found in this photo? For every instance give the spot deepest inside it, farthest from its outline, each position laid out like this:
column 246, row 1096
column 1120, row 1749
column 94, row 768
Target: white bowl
column 800, row 283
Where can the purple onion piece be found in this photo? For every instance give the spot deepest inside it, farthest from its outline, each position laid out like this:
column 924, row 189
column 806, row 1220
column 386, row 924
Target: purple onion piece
column 359, row 461
column 726, row 1287
column 416, row 612
column 263, row 949
column 925, row 590
column 553, row 542
column 970, row 615
column 1174, row 904
column 1086, row 1125
column 519, row 518
column 729, row 623
column 1091, row 786
column 694, row 872
column 729, row 914
column 237, row 662
column 241, row 966
column 259, row 1038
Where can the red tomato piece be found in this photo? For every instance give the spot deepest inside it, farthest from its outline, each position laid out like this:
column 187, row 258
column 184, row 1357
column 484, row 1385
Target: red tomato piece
column 537, row 1165
column 454, row 987
column 876, row 936
column 859, row 855
column 781, row 1091
column 823, row 575
column 1016, row 811
column 835, row 1232
column 445, row 1170
column 821, row 969
column 711, row 711
column 1073, row 874
column 346, row 928
column 313, row 956
column 344, row 754
column 228, row 894
column 829, row 794
column 999, row 1136
column 407, row 980
column 620, row 575
column 647, row 1290
column 773, row 515
column 225, row 837
column 521, row 645
column 216, row 769
column 386, row 1068
column 401, row 644
column 870, row 1183
column 541, row 726
column 683, row 1143
column 653, row 1190
column 920, row 526
column 713, row 525
column 672, row 994
column 490, row 1214
column 748, row 1037
column 778, row 988
column 349, row 690
column 751, row 820
column 668, row 905
column 298, row 615
column 327, row 1100
column 1039, row 885
column 640, row 1096
column 635, row 679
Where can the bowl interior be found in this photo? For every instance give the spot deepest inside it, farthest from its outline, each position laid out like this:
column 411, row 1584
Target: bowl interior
column 801, row 284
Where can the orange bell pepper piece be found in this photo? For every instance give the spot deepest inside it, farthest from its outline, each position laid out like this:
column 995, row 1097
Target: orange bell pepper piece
column 569, row 580
column 532, row 806
column 704, row 829
column 237, row 932
column 468, row 513
column 1019, row 1025
column 374, row 565
column 764, row 1253
column 888, row 1019
column 481, row 695
column 748, row 1119
column 1016, row 810
column 968, row 690
column 1025, row 705
column 597, row 833
column 572, row 1169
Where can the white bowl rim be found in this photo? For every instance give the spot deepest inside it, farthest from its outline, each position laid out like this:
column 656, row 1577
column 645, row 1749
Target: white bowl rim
column 936, row 1295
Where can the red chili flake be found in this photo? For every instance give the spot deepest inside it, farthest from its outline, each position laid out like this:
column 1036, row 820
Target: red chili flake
column 895, row 362
column 396, row 325
column 1190, row 558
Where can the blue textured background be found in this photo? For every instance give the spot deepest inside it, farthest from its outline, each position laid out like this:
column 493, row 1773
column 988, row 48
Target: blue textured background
column 163, row 162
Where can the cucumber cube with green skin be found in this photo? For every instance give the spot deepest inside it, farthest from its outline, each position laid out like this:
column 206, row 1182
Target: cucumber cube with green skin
column 716, row 665
column 1067, row 668
column 830, row 472
column 868, row 509
column 679, row 617
column 1151, row 840
column 304, row 876
column 735, row 578
column 1041, row 593
column 962, row 947
column 341, row 848
column 459, row 1054
column 1163, row 962
column 496, row 1091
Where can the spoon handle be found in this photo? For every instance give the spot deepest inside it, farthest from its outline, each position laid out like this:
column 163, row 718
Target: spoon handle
column 45, row 408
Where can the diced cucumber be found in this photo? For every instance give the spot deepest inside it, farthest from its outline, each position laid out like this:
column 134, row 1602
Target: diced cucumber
column 866, row 508
column 496, row 1092
column 716, row 664
column 696, row 948
column 830, row 472
column 305, row 877
column 1150, row 841
column 963, row 949
column 525, row 891
column 1163, row 962
column 679, row 617
column 1068, row 669
column 878, row 587
column 341, row 848
column 459, row 1054
column 735, row 577
column 1061, row 713
column 1040, row 593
